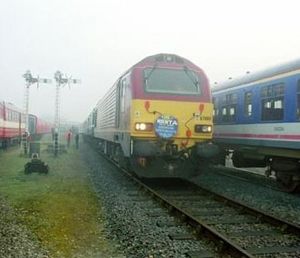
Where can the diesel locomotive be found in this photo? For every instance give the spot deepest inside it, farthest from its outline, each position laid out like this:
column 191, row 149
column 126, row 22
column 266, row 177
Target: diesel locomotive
column 258, row 117
column 156, row 118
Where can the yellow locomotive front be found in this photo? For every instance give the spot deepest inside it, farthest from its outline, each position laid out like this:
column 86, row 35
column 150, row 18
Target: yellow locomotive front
column 170, row 119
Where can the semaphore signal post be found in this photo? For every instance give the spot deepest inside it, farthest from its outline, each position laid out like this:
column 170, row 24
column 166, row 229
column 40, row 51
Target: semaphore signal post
column 60, row 82
column 29, row 80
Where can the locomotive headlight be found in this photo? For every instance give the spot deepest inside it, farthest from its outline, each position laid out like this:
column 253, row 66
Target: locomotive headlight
column 203, row 128
column 206, row 128
column 143, row 126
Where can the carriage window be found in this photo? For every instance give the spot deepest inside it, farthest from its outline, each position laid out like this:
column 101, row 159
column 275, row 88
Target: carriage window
column 298, row 100
column 229, row 107
column 272, row 100
column 23, row 119
column 248, row 104
column 224, row 111
column 298, row 106
column 216, row 113
column 8, row 115
column 16, row 116
column 232, row 111
column 216, row 109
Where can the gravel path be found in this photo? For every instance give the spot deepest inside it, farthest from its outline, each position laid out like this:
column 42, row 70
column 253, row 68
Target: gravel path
column 15, row 240
column 284, row 205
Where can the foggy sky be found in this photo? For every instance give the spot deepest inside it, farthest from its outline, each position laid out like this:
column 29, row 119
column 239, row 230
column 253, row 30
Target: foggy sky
column 97, row 40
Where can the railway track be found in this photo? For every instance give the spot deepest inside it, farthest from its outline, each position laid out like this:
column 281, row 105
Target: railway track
column 245, row 175
column 237, row 229
column 245, row 231
column 251, row 177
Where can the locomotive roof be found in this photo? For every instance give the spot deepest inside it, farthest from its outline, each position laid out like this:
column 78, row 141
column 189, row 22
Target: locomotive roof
column 263, row 74
column 164, row 57
column 152, row 60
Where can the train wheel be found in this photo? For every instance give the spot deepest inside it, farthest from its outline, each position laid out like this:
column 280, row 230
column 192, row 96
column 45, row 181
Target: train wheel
column 286, row 183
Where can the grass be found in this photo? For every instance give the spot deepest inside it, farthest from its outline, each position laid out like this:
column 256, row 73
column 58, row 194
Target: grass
column 60, row 208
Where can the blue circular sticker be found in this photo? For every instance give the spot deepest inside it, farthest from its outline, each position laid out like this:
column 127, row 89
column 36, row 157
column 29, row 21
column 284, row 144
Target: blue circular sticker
column 166, row 126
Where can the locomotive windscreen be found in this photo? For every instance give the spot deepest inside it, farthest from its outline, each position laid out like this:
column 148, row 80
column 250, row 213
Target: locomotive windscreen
column 174, row 81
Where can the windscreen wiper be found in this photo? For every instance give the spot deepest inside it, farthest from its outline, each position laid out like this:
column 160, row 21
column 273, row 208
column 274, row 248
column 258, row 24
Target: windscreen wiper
column 150, row 73
column 195, row 82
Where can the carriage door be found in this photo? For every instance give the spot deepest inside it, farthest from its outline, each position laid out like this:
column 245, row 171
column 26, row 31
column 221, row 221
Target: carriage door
column 123, row 113
column 123, row 104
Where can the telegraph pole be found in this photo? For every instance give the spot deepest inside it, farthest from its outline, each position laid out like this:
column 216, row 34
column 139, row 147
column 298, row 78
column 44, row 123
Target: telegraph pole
column 60, row 82
column 29, row 80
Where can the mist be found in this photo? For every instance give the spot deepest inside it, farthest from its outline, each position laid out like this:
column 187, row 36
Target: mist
column 96, row 41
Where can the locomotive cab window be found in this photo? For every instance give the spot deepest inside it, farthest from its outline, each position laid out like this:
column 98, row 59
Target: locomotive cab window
column 272, row 102
column 159, row 80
